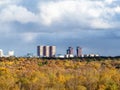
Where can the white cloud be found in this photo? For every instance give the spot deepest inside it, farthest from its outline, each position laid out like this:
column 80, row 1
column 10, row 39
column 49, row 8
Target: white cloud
column 90, row 13
column 117, row 9
column 17, row 13
column 95, row 14
column 109, row 1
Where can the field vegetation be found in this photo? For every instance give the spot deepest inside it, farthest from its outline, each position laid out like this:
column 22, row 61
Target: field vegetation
column 69, row 74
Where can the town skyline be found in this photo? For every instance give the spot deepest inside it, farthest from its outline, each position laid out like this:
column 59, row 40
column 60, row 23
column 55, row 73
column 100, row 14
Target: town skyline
column 51, row 51
column 93, row 25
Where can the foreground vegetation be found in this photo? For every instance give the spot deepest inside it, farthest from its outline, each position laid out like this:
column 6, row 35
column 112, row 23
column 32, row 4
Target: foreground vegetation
column 38, row 74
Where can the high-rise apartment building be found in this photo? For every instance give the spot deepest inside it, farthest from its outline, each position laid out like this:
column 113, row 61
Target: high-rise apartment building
column 46, row 51
column 70, row 53
column 40, row 51
column 52, row 51
column 79, row 51
column 70, row 50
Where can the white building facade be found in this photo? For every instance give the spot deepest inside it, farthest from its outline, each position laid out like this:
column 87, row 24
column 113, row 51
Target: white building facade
column 1, row 53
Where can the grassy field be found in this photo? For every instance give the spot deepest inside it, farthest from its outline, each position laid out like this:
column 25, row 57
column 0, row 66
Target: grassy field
column 73, row 74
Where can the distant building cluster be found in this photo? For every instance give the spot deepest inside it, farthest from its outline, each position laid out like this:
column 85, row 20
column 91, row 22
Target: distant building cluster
column 10, row 53
column 50, row 52
column 46, row 51
column 70, row 52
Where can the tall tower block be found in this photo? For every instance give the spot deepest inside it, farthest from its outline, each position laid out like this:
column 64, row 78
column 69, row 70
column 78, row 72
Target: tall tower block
column 40, row 51
column 52, row 51
column 79, row 51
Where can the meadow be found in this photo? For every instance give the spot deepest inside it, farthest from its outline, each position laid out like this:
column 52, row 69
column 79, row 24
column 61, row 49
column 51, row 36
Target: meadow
column 68, row 74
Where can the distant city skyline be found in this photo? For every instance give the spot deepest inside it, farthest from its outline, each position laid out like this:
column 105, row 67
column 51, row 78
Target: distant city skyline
column 93, row 25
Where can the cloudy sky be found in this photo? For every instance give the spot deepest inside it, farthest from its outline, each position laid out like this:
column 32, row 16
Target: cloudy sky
column 92, row 24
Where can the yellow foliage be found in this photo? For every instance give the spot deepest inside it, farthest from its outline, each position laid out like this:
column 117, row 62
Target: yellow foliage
column 102, row 87
column 61, row 78
column 38, row 74
column 81, row 87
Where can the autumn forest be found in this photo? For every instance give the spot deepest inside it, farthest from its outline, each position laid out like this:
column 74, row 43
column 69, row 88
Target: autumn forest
column 69, row 74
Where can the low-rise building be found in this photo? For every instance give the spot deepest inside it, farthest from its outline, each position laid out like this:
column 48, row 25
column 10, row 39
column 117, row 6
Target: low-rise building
column 10, row 53
column 1, row 53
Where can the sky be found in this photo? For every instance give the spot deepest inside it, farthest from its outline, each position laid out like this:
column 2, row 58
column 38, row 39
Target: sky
column 93, row 25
